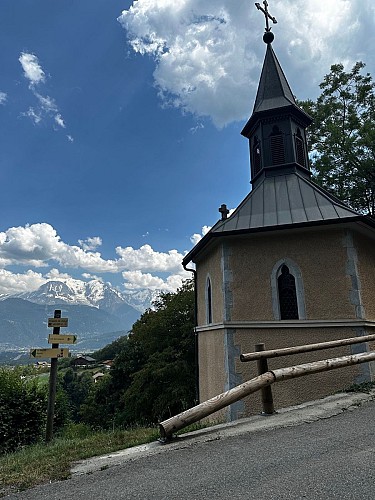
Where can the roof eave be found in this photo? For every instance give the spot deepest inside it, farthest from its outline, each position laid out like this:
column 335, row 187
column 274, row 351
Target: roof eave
column 365, row 219
column 259, row 115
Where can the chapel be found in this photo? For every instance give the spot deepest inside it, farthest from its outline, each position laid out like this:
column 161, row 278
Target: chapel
column 292, row 265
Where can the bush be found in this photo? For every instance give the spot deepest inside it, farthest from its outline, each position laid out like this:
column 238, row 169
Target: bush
column 22, row 410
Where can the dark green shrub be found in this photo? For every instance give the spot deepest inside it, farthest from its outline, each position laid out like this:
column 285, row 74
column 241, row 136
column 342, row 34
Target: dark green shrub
column 22, row 410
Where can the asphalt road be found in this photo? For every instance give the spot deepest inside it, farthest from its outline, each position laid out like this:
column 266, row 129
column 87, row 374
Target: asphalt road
column 333, row 458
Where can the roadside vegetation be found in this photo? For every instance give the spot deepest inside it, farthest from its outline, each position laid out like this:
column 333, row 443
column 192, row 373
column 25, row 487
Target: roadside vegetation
column 42, row 463
column 151, row 377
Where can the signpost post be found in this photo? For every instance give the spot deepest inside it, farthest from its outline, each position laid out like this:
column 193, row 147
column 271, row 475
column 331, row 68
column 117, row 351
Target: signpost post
column 56, row 323
column 55, row 352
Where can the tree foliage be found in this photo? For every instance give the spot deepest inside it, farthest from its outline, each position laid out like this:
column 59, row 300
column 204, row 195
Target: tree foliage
column 342, row 136
column 22, row 410
column 153, row 373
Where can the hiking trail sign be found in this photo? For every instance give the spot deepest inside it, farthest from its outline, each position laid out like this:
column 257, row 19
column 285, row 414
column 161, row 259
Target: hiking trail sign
column 50, row 353
column 62, row 339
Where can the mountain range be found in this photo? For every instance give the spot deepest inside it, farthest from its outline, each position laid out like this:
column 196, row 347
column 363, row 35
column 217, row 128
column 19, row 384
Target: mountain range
column 97, row 314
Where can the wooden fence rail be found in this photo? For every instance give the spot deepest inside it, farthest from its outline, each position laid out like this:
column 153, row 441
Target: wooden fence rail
column 173, row 424
column 275, row 353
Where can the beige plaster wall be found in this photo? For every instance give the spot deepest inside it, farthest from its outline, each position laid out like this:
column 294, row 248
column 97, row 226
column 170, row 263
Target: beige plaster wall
column 299, row 390
column 321, row 257
column 212, row 376
column 366, row 268
column 210, row 265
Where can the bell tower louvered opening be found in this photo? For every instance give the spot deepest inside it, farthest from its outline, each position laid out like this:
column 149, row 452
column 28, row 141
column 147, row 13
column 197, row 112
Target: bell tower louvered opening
column 300, row 150
column 277, row 147
column 256, row 156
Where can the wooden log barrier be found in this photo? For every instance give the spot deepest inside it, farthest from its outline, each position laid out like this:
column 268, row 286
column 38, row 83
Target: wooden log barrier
column 287, row 351
column 187, row 417
column 321, row 366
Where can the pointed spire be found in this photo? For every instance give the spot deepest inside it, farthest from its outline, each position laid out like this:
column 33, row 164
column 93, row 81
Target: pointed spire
column 273, row 90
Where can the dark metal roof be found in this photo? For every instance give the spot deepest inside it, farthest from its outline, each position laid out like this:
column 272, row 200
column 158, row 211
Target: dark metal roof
column 285, row 199
column 282, row 202
column 273, row 90
column 274, row 94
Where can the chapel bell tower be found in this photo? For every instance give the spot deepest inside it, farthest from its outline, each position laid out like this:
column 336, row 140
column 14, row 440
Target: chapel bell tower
column 276, row 129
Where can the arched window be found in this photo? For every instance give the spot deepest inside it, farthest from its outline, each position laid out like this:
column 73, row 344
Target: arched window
column 286, row 285
column 277, row 146
column 300, row 150
column 288, row 297
column 208, row 301
column 257, row 158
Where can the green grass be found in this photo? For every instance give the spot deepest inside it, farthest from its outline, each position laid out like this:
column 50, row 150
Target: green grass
column 42, row 463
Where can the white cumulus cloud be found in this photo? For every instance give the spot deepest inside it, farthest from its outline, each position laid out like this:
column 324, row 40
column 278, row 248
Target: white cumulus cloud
column 91, row 243
column 146, row 258
column 11, row 283
column 3, row 97
column 208, row 54
column 32, row 68
column 39, row 246
column 59, row 120
column 46, row 106
column 195, row 238
column 138, row 280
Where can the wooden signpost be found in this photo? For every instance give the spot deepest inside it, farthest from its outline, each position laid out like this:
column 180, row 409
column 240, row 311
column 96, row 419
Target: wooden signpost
column 49, row 353
column 62, row 339
column 54, row 352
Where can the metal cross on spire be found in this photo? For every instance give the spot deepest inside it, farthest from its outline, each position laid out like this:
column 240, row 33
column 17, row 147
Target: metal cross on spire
column 267, row 15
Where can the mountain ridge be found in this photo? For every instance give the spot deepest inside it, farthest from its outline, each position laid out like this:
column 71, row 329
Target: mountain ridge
column 98, row 313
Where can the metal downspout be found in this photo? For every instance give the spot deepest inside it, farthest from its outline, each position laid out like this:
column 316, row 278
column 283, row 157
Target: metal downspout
column 196, row 360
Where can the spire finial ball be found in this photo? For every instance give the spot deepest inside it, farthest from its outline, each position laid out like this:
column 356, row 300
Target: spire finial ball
column 268, row 37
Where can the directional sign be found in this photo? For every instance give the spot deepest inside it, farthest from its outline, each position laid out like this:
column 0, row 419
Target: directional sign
column 49, row 353
column 57, row 322
column 62, row 339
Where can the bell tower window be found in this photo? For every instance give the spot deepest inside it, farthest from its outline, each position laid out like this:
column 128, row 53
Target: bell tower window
column 257, row 157
column 277, row 146
column 300, row 150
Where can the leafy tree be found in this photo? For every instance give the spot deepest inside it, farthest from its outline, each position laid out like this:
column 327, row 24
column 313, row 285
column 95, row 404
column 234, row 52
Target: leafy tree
column 76, row 387
column 163, row 383
column 153, row 374
column 100, row 406
column 22, row 410
column 111, row 350
column 342, row 136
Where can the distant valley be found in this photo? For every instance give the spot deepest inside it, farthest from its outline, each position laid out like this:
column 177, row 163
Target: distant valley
column 97, row 313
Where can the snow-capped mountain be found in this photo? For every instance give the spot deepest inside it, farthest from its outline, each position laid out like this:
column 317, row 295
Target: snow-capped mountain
column 98, row 313
column 94, row 293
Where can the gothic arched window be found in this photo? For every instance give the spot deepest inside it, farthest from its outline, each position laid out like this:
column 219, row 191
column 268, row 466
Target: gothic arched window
column 257, row 157
column 300, row 150
column 208, row 301
column 286, row 285
column 288, row 296
column 277, row 146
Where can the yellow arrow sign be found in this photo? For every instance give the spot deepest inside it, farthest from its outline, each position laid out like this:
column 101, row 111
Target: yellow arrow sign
column 49, row 353
column 62, row 339
column 57, row 322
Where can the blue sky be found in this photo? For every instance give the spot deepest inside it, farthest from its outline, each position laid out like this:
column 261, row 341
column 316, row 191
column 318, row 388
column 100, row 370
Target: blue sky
column 120, row 124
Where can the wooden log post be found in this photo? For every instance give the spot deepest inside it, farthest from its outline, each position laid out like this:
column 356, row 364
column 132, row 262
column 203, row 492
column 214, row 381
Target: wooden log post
column 52, row 385
column 266, row 392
